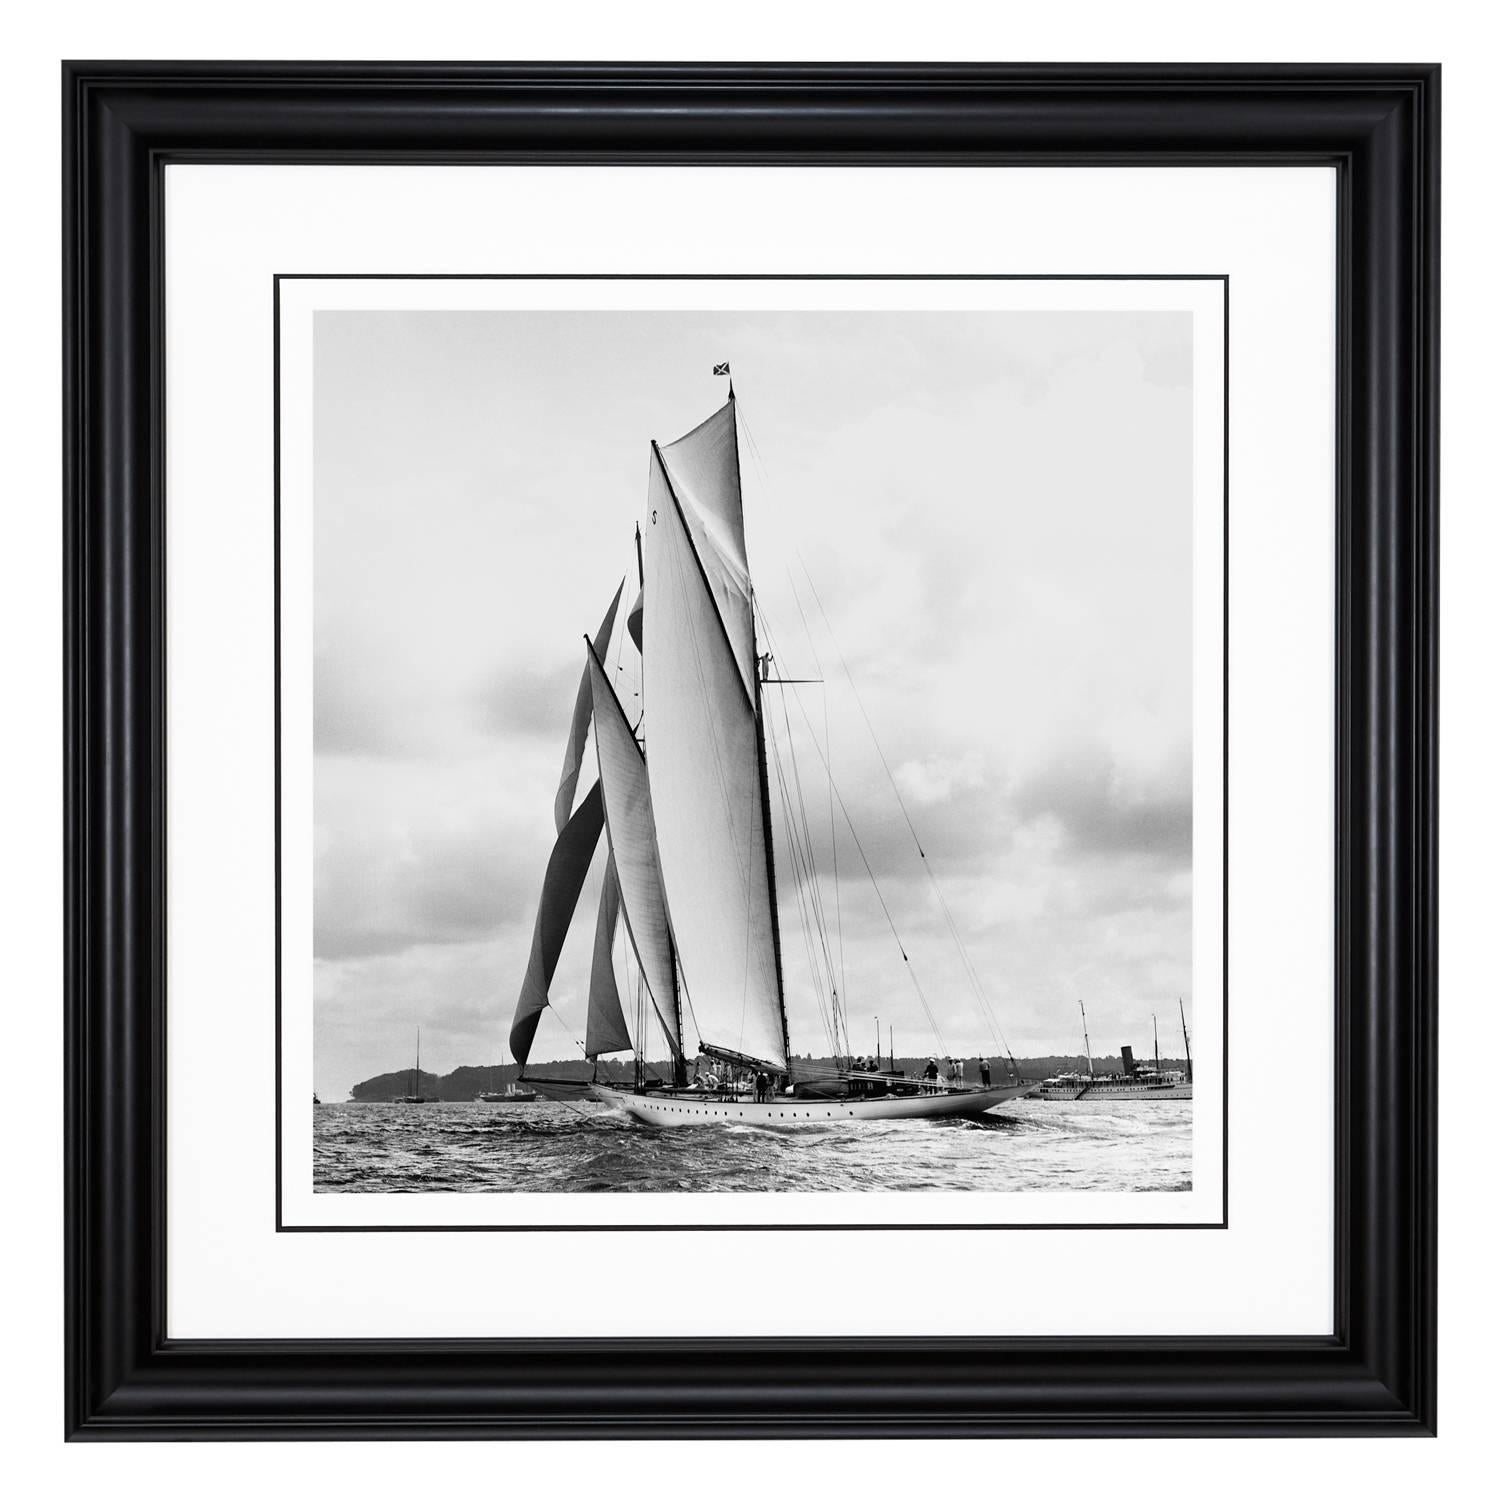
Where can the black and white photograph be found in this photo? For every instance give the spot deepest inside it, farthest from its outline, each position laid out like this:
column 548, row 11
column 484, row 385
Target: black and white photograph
column 753, row 748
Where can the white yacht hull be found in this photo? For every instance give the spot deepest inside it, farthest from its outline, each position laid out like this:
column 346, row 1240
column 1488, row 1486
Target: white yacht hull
column 662, row 1108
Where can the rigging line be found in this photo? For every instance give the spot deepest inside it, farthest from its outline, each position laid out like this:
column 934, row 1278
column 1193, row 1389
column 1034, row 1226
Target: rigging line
column 572, row 1035
column 811, row 954
column 864, row 713
column 971, row 972
column 800, row 865
column 875, row 885
column 805, row 844
column 864, row 858
column 815, row 885
column 838, row 899
column 833, row 844
column 869, row 869
column 760, row 463
column 836, row 977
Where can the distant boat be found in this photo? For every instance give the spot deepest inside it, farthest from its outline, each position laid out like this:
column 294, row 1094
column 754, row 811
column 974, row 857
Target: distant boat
column 414, row 1083
column 316, row 1101
column 514, row 1094
column 1138, row 1082
column 691, row 866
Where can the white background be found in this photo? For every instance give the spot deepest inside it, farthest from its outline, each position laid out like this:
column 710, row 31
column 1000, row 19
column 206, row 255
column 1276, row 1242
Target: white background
column 227, row 230
column 30, row 613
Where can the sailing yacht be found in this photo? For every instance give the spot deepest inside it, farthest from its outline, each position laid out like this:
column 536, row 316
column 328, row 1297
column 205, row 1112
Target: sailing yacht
column 414, row 1094
column 685, row 808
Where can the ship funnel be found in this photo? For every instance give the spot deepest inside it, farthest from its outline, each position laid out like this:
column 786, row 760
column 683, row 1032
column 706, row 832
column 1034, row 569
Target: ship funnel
column 1128, row 1058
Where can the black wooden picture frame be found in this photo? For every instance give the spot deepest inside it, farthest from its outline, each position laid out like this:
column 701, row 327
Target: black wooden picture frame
column 1376, row 125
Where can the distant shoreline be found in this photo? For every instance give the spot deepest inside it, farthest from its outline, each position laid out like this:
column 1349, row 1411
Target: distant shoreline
column 463, row 1083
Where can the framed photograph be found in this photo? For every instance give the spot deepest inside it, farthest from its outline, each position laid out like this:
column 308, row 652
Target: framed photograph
column 751, row 750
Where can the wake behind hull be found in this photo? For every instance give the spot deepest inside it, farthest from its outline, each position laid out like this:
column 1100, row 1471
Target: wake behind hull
column 660, row 1108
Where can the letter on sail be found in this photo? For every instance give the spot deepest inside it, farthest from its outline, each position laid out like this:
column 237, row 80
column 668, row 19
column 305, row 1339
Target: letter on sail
column 606, row 1030
column 705, row 471
column 702, row 757
column 566, row 868
column 628, row 815
column 562, row 804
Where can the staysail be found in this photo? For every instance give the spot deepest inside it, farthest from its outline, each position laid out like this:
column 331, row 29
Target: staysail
column 704, row 467
column 632, row 842
column 566, row 869
column 634, row 618
column 703, row 750
column 606, row 1030
column 562, row 804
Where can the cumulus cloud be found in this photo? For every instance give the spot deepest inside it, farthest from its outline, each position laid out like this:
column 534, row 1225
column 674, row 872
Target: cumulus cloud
column 388, row 892
column 522, row 699
column 1101, row 807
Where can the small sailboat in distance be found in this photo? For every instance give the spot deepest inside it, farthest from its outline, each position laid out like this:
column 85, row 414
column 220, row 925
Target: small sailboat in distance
column 414, row 1094
column 683, row 798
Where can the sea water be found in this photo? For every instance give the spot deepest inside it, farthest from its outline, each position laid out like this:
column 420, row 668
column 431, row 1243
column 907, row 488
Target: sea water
column 1027, row 1145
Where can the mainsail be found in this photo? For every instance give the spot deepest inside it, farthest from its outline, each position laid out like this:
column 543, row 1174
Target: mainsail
column 566, row 869
column 704, row 467
column 632, row 841
column 703, row 748
column 606, row 1030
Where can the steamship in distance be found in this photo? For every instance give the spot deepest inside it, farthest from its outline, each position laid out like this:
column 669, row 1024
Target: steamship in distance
column 1135, row 1081
column 515, row 1093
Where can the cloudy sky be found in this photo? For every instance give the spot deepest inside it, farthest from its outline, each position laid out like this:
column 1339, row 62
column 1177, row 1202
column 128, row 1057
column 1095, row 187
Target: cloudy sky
column 996, row 511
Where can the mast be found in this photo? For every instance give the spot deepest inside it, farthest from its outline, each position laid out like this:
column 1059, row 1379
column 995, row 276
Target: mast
column 1086, row 1050
column 1186, row 1047
column 1155, row 1044
column 679, row 1056
column 765, row 781
column 765, row 818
